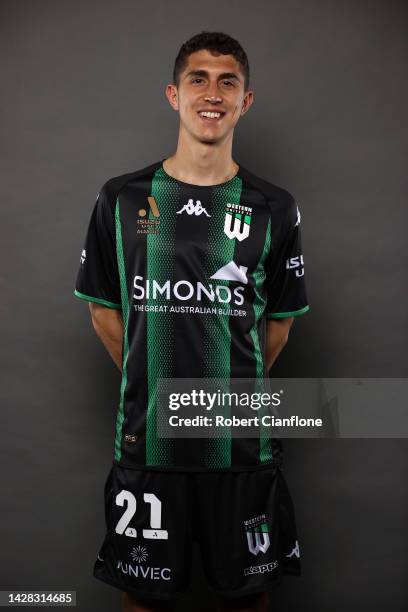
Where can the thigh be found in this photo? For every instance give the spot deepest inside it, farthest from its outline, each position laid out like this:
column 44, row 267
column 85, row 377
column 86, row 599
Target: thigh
column 147, row 547
column 247, row 530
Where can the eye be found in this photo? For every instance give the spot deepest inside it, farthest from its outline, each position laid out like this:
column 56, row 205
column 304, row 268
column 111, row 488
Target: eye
column 196, row 79
column 228, row 83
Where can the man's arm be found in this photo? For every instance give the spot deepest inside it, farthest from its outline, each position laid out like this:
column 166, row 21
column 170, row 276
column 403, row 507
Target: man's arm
column 108, row 325
column 277, row 333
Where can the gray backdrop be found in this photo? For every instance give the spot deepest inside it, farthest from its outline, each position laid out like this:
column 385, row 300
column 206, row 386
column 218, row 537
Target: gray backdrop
column 82, row 101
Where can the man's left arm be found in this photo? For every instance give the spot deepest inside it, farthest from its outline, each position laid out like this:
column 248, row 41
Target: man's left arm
column 277, row 333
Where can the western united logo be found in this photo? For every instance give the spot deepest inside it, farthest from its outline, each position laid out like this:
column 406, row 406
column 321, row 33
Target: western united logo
column 237, row 221
column 257, row 534
column 146, row 225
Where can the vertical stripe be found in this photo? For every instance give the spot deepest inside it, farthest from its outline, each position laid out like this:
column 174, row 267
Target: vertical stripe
column 160, row 267
column 217, row 335
column 259, row 275
column 125, row 314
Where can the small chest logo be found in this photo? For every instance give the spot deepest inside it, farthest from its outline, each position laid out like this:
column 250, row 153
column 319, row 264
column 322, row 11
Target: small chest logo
column 146, row 225
column 193, row 209
column 237, row 221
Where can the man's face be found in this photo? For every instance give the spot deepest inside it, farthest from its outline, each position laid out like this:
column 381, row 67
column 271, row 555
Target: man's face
column 210, row 83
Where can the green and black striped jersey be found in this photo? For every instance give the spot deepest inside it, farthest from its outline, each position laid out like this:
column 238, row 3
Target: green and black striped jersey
column 196, row 271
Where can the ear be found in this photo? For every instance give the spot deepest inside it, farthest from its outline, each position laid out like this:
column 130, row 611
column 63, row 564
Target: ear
column 247, row 101
column 172, row 96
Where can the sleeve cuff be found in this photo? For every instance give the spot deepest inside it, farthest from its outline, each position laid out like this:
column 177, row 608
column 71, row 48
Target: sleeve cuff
column 90, row 298
column 282, row 315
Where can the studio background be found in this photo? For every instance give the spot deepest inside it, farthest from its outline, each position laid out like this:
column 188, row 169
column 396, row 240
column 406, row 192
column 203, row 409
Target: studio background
column 82, row 101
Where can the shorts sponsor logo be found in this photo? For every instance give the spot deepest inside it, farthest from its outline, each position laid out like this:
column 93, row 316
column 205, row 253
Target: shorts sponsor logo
column 260, row 569
column 237, row 221
column 137, row 569
column 139, row 553
column 146, row 573
column 257, row 534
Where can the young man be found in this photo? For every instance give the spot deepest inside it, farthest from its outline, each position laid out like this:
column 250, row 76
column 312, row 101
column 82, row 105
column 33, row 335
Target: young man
column 192, row 268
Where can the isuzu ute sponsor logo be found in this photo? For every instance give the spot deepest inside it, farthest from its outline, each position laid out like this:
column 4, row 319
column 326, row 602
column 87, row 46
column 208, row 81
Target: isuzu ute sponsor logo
column 296, row 263
column 193, row 209
column 146, row 225
column 237, row 221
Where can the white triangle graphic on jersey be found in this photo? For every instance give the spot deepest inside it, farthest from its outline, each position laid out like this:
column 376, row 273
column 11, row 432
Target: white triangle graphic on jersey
column 232, row 272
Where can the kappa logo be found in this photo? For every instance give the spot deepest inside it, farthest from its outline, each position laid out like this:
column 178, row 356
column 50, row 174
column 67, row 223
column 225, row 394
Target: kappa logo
column 193, row 209
column 295, row 551
column 232, row 272
column 83, row 256
column 237, row 221
column 298, row 218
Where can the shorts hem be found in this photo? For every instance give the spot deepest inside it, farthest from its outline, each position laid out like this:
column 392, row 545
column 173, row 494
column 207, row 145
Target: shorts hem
column 235, row 593
column 269, row 586
column 143, row 594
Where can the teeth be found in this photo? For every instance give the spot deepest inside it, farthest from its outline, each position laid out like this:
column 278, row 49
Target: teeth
column 211, row 115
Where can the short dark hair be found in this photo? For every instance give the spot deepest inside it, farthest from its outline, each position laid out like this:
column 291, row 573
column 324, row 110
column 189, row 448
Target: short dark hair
column 216, row 43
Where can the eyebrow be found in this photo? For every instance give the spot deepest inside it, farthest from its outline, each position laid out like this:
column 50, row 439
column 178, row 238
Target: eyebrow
column 204, row 73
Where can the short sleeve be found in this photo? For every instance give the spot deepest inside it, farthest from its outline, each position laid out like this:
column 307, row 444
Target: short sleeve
column 285, row 267
column 98, row 276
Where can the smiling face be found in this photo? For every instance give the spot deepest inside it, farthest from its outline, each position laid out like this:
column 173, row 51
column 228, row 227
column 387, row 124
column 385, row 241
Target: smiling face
column 210, row 97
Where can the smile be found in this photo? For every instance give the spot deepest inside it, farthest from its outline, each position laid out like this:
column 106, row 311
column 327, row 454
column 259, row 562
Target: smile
column 210, row 117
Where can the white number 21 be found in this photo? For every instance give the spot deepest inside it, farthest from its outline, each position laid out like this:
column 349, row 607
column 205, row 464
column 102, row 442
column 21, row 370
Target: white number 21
column 155, row 532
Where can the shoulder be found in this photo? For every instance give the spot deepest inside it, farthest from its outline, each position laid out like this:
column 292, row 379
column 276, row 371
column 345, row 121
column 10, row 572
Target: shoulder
column 112, row 187
column 280, row 201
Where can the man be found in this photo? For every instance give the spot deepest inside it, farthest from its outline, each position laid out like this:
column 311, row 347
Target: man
column 192, row 268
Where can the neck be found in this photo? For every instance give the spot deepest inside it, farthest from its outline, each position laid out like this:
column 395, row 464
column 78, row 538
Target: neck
column 201, row 163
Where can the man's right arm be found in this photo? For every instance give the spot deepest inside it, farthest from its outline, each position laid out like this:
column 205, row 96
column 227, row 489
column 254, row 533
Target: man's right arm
column 108, row 325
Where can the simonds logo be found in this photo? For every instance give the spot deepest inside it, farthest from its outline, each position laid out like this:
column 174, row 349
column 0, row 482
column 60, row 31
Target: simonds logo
column 184, row 290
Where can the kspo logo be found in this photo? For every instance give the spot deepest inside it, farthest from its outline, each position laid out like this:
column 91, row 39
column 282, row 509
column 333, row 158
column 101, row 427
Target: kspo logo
column 296, row 263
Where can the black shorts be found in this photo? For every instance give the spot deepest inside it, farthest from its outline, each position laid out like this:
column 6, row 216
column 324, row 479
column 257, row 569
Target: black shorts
column 243, row 522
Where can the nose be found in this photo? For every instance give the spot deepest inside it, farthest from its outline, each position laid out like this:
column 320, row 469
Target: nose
column 212, row 94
